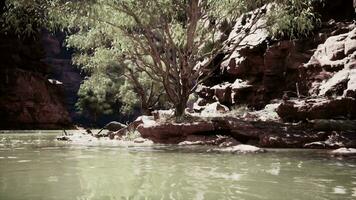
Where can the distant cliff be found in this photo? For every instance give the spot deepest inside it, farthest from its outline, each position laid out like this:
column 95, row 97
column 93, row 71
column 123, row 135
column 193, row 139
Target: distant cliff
column 29, row 99
column 58, row 58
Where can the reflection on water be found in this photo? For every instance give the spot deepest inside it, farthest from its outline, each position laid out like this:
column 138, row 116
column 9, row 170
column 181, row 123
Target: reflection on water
column 35, row 166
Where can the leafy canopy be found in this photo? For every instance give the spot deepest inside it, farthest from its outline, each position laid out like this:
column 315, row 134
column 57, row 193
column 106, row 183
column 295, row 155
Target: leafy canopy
column 147, row 47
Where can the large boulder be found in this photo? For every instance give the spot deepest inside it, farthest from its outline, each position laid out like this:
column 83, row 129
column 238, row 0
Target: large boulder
column 173, row 133
column 215, row 109
column 240, row 91
column 114, row 126
column 226, row 93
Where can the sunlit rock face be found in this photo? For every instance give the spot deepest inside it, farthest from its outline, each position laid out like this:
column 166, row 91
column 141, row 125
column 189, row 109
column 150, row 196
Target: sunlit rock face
column 336, row 62
column 332, row 82
column 320, row 66
column 28, row 99
column 260, row 69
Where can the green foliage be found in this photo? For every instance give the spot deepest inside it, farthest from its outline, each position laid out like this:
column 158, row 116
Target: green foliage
column 231, row 9
column 25, row 17
column 94, row 96
column 159, row 42
column 100, row 47
column 129, row 98
column 133, row 50
column 292, row 19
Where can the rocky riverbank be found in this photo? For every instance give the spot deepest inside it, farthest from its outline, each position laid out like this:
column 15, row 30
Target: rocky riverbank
column 229, row 131
column 270, row 92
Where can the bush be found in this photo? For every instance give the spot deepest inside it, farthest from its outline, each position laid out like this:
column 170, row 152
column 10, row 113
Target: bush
column 290, row 19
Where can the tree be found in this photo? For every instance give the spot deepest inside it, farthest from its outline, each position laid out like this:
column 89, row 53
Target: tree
column 24, row 17
column 293, row 19
column 173, row 42
column 94, row 98
column 96, row 54
column 162, row 38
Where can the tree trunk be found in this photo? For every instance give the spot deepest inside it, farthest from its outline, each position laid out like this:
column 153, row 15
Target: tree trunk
column 180, row 107
column 146, row 111
column 179, row 111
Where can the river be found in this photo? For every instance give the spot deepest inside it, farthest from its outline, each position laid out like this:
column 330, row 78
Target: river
column 35, row 166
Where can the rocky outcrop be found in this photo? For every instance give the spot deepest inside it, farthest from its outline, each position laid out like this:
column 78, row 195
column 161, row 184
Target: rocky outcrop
column 262, row 69
column 332, row 68
column 321, row 108
column 171, row 133
column 229, row 131
column 28, row 99
column 291, row 139
column 331, row 78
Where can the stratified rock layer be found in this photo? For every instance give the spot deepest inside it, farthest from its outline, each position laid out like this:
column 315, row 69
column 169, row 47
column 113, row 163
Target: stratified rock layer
column 229, row 131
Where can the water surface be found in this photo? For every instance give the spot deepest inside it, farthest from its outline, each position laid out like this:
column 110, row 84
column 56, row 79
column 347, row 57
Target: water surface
column 35, row 166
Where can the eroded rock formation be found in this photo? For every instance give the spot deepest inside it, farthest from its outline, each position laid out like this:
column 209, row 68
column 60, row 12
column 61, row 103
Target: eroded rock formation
column 315, row 76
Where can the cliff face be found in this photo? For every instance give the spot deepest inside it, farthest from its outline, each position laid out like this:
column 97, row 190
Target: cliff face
column 28, row 98
column 59, row 58
column 318, row 67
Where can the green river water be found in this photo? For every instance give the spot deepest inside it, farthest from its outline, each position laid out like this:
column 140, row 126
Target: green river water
column 35, row 166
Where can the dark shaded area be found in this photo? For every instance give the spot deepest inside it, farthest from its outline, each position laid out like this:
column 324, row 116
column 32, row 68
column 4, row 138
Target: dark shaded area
column 28, row 99
column 338, row 10
column 58, row 57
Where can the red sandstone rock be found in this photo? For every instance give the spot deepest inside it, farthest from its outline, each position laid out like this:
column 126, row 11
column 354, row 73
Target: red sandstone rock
column 227, row 131
column 336, row 58
column 173, row 133
column 299, row 110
